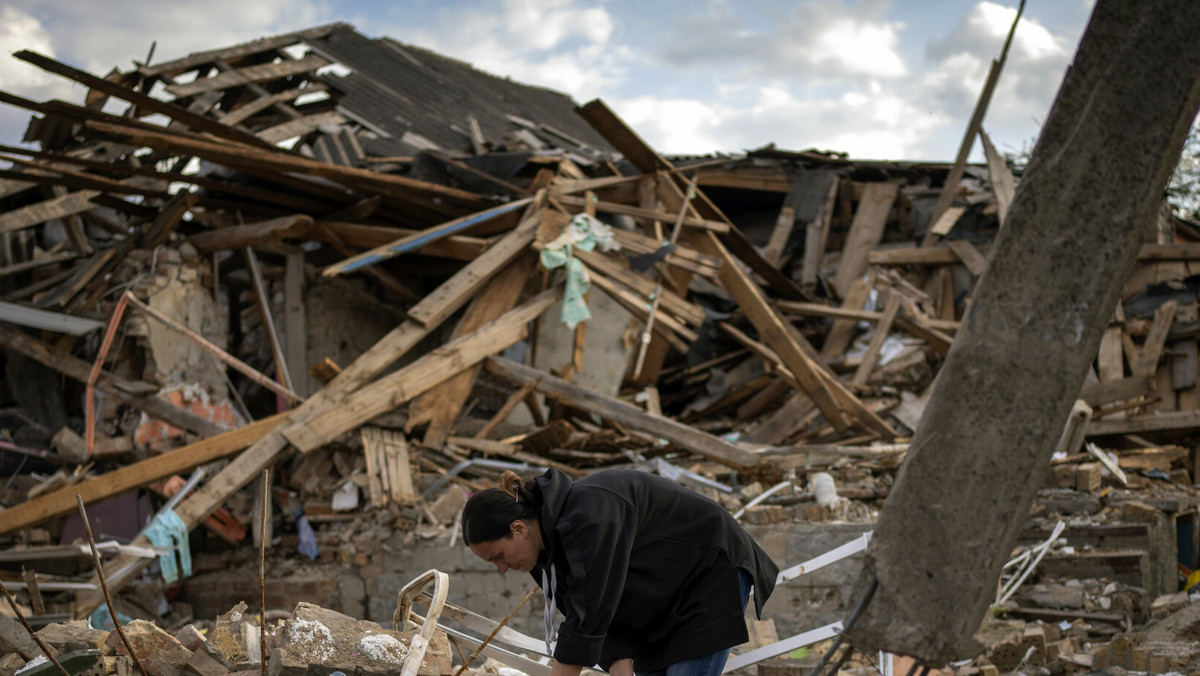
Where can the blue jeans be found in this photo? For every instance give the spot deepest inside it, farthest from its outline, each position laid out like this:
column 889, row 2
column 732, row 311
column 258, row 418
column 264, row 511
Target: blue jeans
column 708, row 665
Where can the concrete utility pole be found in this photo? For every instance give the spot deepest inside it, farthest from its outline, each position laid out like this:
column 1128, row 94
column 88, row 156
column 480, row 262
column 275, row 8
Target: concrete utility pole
column 1092, row 188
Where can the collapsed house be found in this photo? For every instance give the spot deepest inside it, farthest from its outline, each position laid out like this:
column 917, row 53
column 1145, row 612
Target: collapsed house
column 381, row 277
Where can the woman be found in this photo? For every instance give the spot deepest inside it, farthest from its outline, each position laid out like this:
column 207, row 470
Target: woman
column 649, row 576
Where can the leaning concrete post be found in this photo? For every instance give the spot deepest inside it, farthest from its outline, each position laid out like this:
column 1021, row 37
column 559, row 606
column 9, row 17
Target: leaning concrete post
column 1055, row 275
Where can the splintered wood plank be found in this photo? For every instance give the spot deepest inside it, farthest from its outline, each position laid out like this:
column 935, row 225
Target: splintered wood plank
column 787, row 420
column 913, row 256
column 74, row 226
column 130, row 477
column 440, row 406
column 301, row 126
column 816, row 236
column 55, row 207
column 1146, row 362
column 866, row 231
column 389, row 475
column 434, row 308
column 1183, row 364
column 771, row 329
column 969, row 255
column 261, row 233
column 626, row 414
column 1162, row 421
column 1110, row 360
column 881, row 333
column 1108, row 391
column 1004, row 186
column 780, row 233
column 272, row 162
column 413, row 242
column 144, row 103
column 247, row 110
column 294, row 331
column 640, row 212
column 242, row 76
column 622, row 137
column 85, row 272
column 842, row 331
column 433, row 368
column 240, row 51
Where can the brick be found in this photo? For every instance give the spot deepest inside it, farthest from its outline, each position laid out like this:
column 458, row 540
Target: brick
column 1087, row 477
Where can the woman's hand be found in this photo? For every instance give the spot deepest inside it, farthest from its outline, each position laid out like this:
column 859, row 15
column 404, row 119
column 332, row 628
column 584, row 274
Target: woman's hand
column 622, row 667
column 560, row 669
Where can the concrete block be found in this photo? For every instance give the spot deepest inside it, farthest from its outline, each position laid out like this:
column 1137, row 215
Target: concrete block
column 190, row 637
column 159, row 652
column 203, row 664
column 72, row 636
column 14, row 637
column 315, row 637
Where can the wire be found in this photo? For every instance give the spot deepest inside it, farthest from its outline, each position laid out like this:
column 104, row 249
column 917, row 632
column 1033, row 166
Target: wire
column 837, row 642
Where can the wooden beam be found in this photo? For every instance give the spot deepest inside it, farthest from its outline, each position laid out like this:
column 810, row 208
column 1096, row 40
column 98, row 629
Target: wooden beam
column 416, row 241
column 771, row 329
column 640, row 212
column 436, row 366
column 628, row 415
column 1168, row 421
column 950, row 187
column 271, row 231
column 240, row 51
column 141, row 101
column 130, row 477
column 433, row 309
column 866, row 231
column 781, row 232
column 268, row 160
column 816, row 236
column 301, row 126
column 882, row 328
column 261, row 73
column 440, row 406
column 46, row 210
column 969, row 255
column 1004, row 186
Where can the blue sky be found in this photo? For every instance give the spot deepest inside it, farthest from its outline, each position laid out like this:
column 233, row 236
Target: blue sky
column 878, row 79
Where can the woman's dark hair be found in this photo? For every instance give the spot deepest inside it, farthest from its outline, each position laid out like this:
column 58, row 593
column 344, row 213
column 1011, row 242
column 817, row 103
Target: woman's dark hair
column 489, row 513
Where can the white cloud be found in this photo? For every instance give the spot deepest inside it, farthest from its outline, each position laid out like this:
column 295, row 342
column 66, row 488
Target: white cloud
column 674, row 126
column 822, row 40
column 867, row 123
column 857, row 47
column 83, row 39
column 560, row 44
column 19, row 30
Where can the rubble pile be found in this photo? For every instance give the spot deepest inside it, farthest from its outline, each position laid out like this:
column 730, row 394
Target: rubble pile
column 384, row 277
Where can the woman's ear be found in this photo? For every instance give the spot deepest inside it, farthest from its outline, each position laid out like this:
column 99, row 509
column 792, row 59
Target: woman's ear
column 518, row 528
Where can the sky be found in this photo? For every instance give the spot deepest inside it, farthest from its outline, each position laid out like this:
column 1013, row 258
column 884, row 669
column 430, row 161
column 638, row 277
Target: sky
column 877, row 79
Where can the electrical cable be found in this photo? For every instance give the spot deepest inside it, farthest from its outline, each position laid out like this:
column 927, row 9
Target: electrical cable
column 837, row 642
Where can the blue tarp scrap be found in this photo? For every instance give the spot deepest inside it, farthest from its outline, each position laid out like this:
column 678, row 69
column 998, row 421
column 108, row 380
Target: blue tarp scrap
column 588, row 234
column 168, row 531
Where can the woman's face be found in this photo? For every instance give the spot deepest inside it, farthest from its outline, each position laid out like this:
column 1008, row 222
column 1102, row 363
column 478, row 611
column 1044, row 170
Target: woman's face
column 518, row 550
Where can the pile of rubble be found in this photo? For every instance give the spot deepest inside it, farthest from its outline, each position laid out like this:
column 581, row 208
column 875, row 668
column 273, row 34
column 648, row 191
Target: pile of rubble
column 385, row 277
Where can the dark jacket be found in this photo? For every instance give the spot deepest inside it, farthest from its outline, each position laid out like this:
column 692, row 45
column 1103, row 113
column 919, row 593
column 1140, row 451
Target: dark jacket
column 645, row 569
